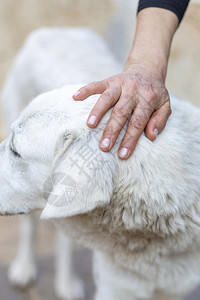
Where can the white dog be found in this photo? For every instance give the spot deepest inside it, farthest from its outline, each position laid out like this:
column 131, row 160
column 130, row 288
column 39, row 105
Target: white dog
column 49, row 59
column 141, row 215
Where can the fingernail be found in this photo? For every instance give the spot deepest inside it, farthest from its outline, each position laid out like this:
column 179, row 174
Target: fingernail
column 92, row 120
column 123, row 152
column 156, row 132
column 77, row 93
column 105, row 143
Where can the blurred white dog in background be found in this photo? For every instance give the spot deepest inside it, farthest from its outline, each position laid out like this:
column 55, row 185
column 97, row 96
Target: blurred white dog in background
column 49, row 59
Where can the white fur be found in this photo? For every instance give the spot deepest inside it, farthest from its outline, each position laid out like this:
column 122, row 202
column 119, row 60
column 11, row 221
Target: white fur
column 23, row 270
column 142, row 215
column 56, row 49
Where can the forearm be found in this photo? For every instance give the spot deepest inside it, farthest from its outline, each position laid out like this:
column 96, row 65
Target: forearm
column 153, row 37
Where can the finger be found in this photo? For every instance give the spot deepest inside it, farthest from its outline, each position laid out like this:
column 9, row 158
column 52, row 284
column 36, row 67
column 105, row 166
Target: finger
column 97, row 87
column 135, row 128
column 158, row 121
column 118, row 118
column 104, row 103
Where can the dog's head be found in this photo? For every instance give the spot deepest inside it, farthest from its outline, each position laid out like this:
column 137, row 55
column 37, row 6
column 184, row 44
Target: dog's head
column 51, row 160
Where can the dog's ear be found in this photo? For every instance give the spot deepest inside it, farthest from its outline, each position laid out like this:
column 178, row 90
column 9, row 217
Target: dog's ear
column 82, row 178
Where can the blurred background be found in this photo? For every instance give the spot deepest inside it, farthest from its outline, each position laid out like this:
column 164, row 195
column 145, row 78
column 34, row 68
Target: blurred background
column 115, row 21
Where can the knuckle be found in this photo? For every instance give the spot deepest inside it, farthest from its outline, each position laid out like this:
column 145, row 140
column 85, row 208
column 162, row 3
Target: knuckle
column 110, row 131
column 161, row 123
column 165, row 92
column 88, row 88
column 128, row 140
column 121, row 112
column 137, row 122
column 164, row 95
column 149, row 98
column 95, row 85
column 107, row 95
column 130, row 84
column 112, row 79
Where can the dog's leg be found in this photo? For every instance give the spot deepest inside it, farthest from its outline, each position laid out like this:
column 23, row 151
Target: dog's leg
column 23, row 269
column 110, row 283
column 67, row 285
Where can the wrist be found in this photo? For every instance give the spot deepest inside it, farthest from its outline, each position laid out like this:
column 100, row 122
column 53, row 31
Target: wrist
column 153, row 63
column 154, row 33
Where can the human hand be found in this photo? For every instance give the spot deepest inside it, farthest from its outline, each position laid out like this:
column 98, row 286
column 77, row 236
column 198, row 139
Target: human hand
column 137, row 93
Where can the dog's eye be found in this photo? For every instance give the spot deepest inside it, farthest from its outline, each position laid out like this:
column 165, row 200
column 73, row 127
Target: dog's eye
column 14, row 152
